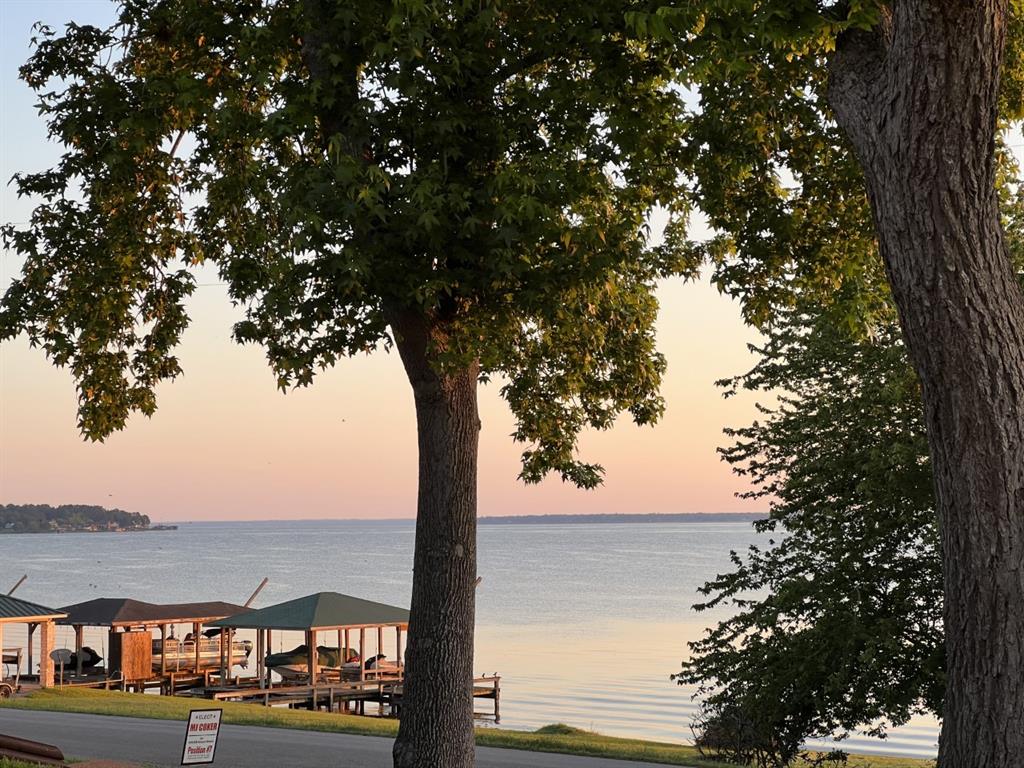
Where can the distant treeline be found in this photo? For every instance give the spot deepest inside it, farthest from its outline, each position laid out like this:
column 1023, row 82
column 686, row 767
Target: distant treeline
column 694, row 517
column 42, row 518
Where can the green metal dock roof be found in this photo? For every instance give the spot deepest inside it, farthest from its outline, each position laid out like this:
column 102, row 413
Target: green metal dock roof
column 323, row 610
column 12, row 610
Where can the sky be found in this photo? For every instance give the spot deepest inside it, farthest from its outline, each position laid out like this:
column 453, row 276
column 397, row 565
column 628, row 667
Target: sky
column 225, row 444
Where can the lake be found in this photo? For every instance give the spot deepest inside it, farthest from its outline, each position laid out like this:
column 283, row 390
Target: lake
column 585, row 621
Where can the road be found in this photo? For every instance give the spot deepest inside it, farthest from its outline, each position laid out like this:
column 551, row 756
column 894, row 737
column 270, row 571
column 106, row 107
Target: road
column 159, row 742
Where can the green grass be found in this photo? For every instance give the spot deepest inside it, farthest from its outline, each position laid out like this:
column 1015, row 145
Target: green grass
column 550, row 738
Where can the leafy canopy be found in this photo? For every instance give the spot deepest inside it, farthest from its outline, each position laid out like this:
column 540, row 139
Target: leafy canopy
column 769, row 167
column 488, row 165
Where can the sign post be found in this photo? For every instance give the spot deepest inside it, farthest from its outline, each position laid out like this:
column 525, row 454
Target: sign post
column 201, row 736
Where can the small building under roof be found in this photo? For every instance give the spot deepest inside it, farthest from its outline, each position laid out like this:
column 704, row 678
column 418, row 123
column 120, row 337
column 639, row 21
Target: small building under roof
column 16, row 611
column 322, row 612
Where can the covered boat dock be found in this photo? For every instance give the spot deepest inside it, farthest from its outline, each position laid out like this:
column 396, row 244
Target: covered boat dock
column 15, row 611
column 327, row 612
column 130, row 624
column 355, row 674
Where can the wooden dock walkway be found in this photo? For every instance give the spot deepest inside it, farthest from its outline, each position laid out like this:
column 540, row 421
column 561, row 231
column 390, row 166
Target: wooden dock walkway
column 343, row 696
column 332, row 695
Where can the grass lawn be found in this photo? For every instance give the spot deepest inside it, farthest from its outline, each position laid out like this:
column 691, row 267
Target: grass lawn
column 551, row 738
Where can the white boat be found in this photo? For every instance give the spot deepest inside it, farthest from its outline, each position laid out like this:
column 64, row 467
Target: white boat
column 296, row 671
column 181, row 654
column 294, row 664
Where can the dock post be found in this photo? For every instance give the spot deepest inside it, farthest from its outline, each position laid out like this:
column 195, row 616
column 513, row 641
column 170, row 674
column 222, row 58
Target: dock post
column 497, row 699
column 361, row 704
column 31, row 632
column 223, row 669
column 311, row 653
column 315, row 651
column 78, row 649
column 260, row 656
column 268, row 648
column 163, row 650
column 45, row 649
column 362, row 654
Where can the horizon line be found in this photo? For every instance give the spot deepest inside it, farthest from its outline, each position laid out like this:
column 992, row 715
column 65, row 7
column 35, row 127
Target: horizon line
column 479, row 517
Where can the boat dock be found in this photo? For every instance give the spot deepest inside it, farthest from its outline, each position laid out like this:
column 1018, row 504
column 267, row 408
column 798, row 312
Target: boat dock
column 363, row 674
column 365, row 667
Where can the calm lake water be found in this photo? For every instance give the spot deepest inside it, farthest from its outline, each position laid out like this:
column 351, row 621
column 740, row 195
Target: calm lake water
column 584, row 622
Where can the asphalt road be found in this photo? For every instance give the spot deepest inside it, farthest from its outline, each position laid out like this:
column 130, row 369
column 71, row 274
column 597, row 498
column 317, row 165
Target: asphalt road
column 159, row 742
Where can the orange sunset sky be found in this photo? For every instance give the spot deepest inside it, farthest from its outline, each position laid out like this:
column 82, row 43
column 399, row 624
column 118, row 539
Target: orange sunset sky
column 225, row 444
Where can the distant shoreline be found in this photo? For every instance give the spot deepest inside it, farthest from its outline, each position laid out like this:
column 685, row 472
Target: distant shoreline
column 681, row 517
column 157, row 527
column 73, row 518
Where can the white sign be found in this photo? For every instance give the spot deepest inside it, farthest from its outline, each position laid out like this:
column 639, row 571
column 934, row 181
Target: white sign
column 201, row 736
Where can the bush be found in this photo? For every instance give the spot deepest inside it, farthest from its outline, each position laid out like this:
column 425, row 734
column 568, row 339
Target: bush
column 735, row 735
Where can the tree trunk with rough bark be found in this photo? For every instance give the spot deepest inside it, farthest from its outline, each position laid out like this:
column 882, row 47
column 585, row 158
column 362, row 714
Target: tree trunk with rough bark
column 436, row 727
column 918, row 99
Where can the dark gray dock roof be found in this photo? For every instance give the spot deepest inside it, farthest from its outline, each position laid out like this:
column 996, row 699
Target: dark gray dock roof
column 323, row 610
column 13, row 610
column 122, row 612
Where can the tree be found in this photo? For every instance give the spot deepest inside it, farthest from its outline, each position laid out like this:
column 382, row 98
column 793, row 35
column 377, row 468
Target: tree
column 467, row 181
column 962, row 312
column 843, row 462
column 897, row 105
column 837, row 623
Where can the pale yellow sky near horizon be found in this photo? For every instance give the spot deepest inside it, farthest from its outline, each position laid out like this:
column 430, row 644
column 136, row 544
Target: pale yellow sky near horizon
column 225, row 444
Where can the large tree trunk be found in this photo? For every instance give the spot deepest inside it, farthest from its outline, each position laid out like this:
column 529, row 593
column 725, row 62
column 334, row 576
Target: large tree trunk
column 918, row 100
column 436, row 728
